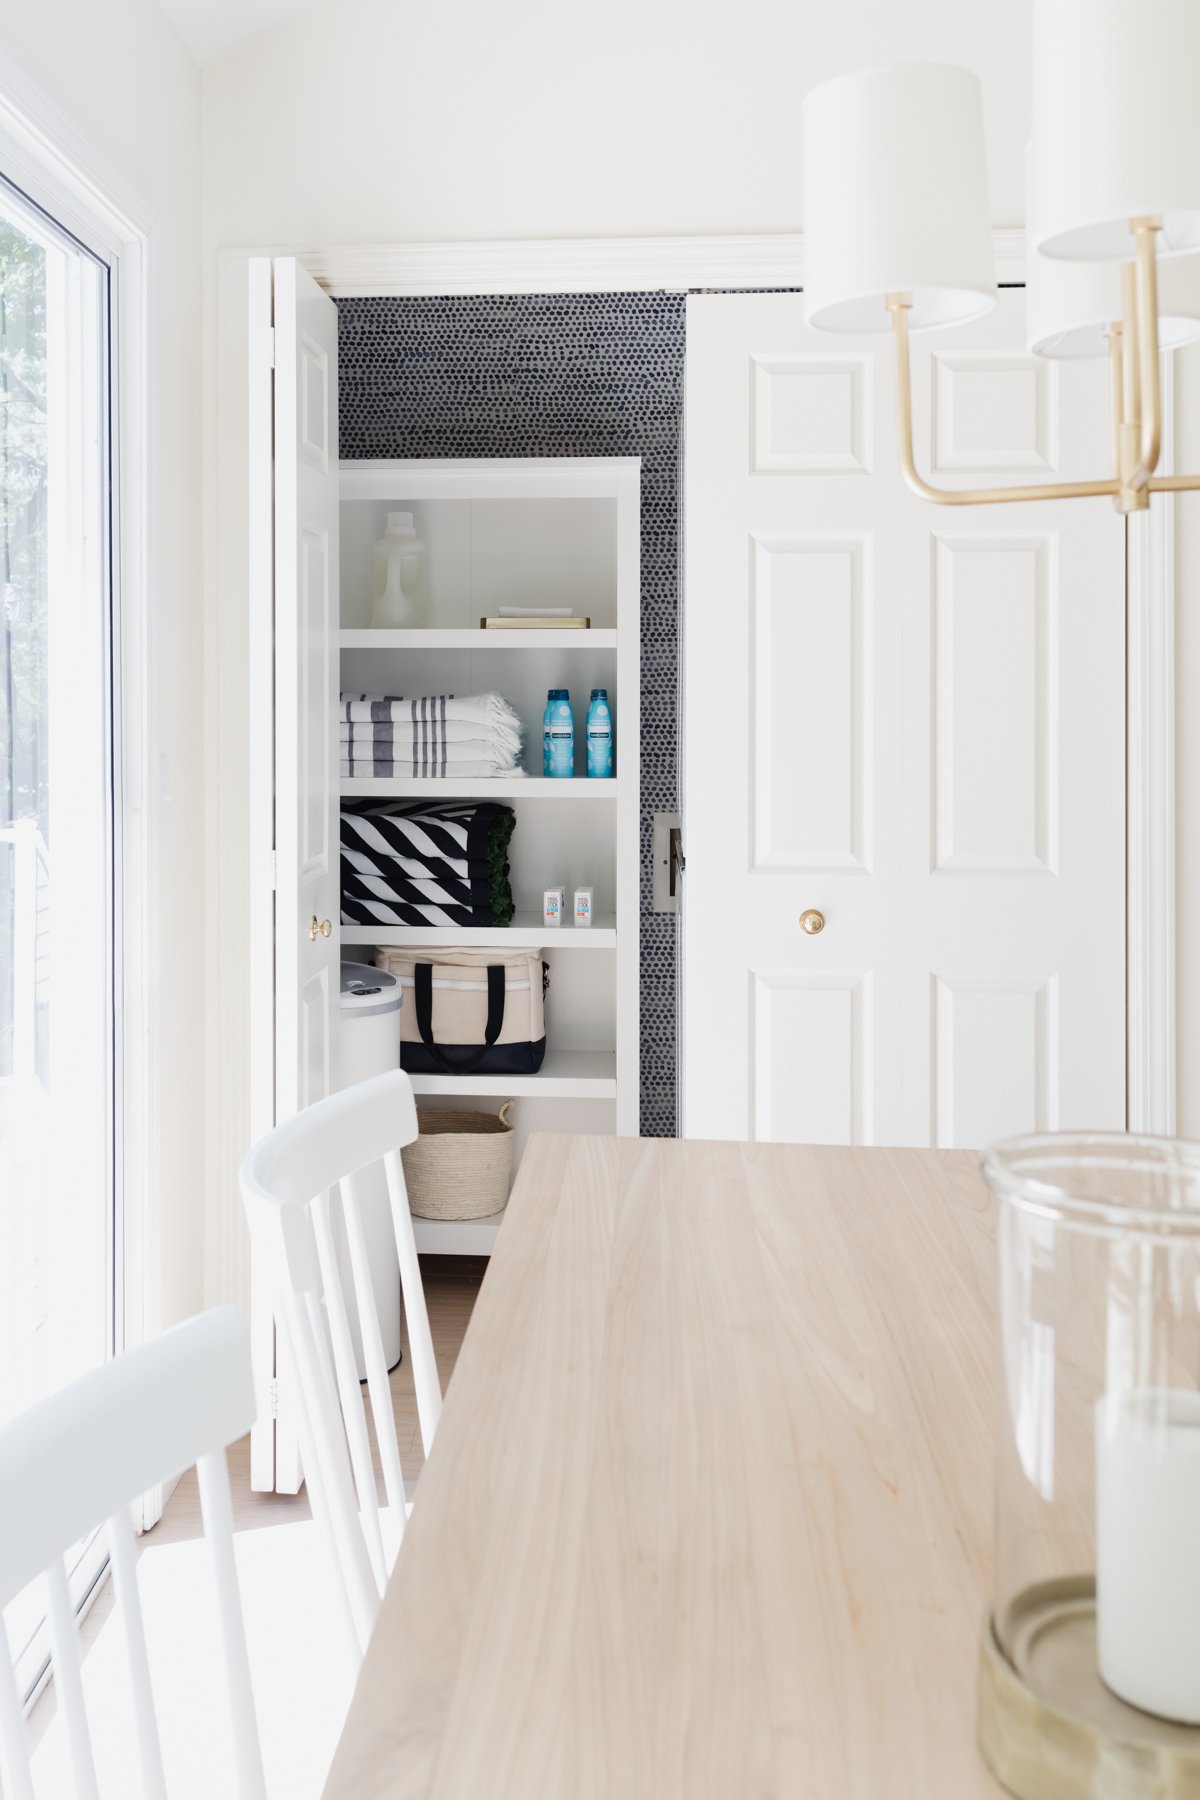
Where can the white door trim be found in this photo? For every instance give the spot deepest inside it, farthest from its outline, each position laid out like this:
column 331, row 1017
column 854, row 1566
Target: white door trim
column 578, row 265
column 612, row 265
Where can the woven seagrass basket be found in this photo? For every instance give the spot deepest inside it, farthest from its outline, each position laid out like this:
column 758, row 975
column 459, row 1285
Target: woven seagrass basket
column 461, row 1164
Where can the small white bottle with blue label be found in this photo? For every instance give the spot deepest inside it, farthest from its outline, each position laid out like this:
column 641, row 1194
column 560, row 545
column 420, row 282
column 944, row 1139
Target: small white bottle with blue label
column 599, row 735
column 553, row 901
column 583, row 909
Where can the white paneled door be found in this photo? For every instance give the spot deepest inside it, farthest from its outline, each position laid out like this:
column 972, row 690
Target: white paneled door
column 307, row 911
column 293, row 522
column 907, row 719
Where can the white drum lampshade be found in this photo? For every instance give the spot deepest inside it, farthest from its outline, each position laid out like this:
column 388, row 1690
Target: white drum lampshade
column 896, row 199
column 1069, row 306
column 1116, row 123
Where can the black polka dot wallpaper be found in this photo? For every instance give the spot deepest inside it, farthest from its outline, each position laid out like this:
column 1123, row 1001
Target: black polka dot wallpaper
column 553, row 375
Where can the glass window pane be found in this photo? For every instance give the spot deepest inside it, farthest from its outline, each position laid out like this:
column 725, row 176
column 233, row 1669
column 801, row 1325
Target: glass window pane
column 56, row 818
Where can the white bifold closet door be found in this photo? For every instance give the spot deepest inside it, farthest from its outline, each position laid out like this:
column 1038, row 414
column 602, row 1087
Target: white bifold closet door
column 294, row 503
column 909, row 718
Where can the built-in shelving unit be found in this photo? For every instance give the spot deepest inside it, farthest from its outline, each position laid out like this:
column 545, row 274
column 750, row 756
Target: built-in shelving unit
column 537, row 533
column 527, row 932
column 453, row 787
column 457, row 1237
column 430, row 638
column 565, row 1075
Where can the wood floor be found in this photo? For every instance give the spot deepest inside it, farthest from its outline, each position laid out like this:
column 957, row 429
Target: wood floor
column 451, row 1285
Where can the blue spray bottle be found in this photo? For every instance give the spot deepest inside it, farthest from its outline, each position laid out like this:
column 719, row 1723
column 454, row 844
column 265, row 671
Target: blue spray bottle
column 599, row 734
column 558, row 735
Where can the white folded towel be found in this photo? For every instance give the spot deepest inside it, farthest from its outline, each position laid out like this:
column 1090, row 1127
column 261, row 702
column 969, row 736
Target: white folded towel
column 370, row 767
column 489, row 710
column 363, row 734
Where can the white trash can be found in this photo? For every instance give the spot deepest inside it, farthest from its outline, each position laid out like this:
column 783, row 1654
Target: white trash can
column 369, row 1043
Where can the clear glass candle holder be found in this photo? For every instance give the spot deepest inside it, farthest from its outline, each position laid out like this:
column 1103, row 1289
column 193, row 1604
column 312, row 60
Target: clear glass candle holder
column 1097, row 1575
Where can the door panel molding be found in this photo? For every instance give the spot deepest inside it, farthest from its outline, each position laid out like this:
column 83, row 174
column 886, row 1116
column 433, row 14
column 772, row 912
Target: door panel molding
column 983, row 726
column 797, row 732
column 951, row 1036
column 828, row 1048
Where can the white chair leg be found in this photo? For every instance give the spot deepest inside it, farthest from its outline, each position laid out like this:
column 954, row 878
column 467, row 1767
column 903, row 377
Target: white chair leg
column 68, row 1681
column 420, row 1339
column 378, row 1385
column 14, row 1750
column 216, row 1506
column 322, row 1453
column 129, row 1605
column 350, row 1395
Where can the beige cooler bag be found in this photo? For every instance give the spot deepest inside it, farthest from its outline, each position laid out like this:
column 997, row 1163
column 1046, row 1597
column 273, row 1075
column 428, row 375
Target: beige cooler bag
column 469, row 1012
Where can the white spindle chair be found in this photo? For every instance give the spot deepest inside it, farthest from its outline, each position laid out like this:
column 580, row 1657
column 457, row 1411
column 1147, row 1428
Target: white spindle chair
column 80, row 1459
column 286, row 1181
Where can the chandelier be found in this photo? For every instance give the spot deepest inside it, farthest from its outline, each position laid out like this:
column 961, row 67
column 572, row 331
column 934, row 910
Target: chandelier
column 898, row 231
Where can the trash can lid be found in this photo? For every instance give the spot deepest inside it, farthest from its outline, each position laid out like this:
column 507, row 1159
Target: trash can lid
column 368, row 990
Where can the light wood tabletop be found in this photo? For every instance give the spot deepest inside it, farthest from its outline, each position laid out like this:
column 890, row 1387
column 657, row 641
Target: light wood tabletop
column 709, row 1512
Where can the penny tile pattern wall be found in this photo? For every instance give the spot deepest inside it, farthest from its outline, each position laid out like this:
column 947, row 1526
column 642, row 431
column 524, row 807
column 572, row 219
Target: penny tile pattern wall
column 553, row 375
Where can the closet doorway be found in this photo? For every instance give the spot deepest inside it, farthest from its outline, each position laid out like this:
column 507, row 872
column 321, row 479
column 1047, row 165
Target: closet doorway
column 906, row 727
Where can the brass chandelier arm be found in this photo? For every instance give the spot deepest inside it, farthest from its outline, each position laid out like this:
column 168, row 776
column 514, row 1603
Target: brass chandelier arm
column 898, row 305
column 1143, row 330
column 1116, row 364
column 1173, row 484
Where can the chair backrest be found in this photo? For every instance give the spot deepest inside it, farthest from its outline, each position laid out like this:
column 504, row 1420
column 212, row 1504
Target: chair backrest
column 286, row 1181
column 79, row 1460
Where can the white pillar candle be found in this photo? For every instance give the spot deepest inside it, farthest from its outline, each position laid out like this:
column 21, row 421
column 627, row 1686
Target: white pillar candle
column 1148, row 1549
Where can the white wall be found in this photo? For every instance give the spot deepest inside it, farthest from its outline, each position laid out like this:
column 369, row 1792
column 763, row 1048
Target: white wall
column 371, row 122
column 114, row 80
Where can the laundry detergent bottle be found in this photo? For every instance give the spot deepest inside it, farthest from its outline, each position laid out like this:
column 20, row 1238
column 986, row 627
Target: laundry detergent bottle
column 599, row 734
column 558, row 735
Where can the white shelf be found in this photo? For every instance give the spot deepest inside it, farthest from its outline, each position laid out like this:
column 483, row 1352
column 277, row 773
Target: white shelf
column 457, row 1237
column 527, row 932
column 484, row 787
column 493, row 478
column 565, row 1075
column 535, row 638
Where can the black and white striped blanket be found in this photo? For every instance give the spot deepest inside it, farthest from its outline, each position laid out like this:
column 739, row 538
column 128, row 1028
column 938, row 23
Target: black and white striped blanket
column 426, row 863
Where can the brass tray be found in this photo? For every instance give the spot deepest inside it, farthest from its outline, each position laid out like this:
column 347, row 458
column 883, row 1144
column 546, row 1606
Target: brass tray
column 1049, row 1729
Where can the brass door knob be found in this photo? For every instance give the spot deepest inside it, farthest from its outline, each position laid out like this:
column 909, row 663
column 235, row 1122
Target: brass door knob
column 324, row 929
column 812, row 921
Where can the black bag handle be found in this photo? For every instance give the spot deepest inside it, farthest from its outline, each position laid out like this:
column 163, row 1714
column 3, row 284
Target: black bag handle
column 423, row 986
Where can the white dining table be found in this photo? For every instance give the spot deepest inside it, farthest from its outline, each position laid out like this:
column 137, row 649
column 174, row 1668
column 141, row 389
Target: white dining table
column 709, row 1511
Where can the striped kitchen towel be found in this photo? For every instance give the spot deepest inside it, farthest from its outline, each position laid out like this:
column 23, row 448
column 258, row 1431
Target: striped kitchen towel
column 490, row 711
column 371, row 733
column 371, row 768
column 435, row 734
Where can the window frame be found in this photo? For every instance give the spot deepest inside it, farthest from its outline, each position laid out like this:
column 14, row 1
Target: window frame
column 43, row 157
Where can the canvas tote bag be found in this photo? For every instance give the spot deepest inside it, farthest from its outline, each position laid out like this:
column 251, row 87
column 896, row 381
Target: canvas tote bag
column 469, row 1012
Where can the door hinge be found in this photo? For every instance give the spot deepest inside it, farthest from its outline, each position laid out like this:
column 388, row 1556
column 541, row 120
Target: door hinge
column 274, row 871
column 270, row 342
column 273, row 1396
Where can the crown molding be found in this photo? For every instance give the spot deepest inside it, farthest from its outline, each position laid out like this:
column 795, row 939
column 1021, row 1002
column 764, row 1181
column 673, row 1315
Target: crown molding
column 560, row 266
column 584, row 265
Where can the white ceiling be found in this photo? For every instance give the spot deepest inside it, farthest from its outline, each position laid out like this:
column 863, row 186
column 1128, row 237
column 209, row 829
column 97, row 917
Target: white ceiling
column 212, row 28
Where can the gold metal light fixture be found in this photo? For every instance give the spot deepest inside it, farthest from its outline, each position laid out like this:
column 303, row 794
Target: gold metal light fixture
column 897, row 223
column 1133, row 345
